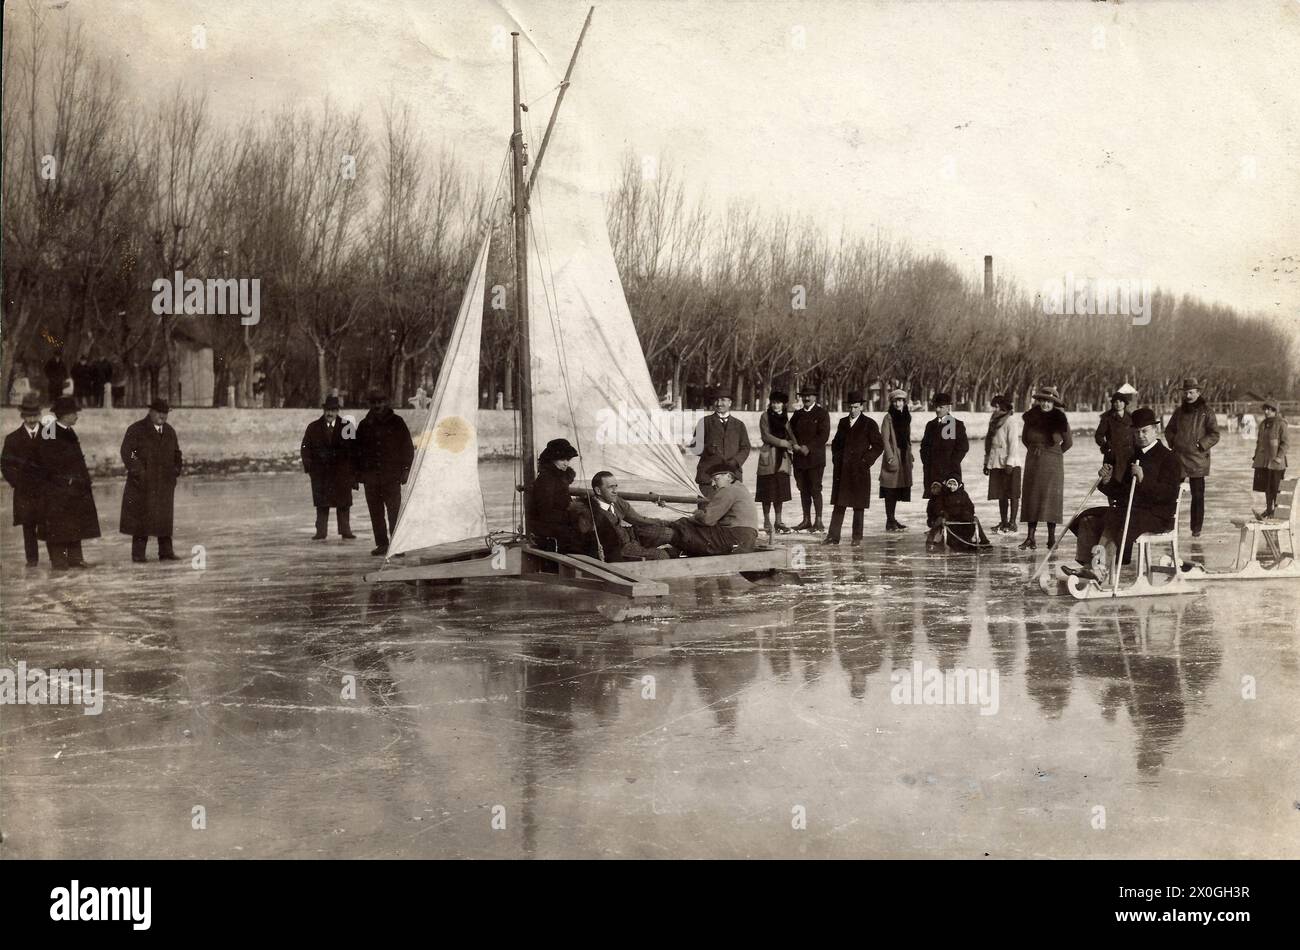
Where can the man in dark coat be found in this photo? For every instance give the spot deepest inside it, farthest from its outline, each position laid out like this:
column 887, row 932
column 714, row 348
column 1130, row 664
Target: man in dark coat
column 1115, row 433
column 553, row 514
column 1191, row 432
column 83, row 382
column 943, row 445
column 1158, row 474
column 152, row 456
column 719, row 437
column 811, row 426
column 68, row 514
column 56, row 375
column 384, row 455
column 103, row 375
column 328, row 457
column 854, row 450
column 624, row 533
column 22, row 471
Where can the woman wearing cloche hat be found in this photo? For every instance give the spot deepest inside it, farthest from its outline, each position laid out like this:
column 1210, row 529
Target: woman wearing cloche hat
column 1046, row 438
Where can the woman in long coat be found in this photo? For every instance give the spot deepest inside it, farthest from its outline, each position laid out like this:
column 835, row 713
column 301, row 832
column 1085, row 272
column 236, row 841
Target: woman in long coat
column 1115, row 433
column 774, row 460
column 896, row 460
column 68, row 514
column 1046, row 438
column 1003, row 461
column 1270, row 456
column 855, row 448
column 152, row 456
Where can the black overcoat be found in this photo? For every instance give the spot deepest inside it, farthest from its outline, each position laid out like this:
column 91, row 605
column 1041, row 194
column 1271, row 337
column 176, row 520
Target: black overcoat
column 384, row 448
column 855, row 448
column 22, row 471
column 68, row 505
column 942, row 450
column 329, row 458
column 153, row 463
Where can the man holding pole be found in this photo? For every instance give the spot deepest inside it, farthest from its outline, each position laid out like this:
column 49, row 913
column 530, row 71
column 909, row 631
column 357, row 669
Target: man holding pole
column 1148, row 501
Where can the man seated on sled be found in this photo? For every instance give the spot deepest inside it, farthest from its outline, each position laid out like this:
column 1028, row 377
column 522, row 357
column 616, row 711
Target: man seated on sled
column 1155, row 503
column 950, row 516
column 625, row 533
column 552, row 514
column 728, row 521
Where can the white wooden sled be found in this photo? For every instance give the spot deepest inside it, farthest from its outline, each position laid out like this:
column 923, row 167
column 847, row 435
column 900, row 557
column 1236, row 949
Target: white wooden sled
column 1154, row 578
column 1278, row 536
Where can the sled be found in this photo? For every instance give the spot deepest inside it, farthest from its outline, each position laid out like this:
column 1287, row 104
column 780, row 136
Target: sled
column 1169, row 575
column 1273, row 532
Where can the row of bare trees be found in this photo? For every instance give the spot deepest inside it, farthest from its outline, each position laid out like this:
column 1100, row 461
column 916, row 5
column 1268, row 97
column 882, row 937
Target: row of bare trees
column 361, row 237
column 748, row 301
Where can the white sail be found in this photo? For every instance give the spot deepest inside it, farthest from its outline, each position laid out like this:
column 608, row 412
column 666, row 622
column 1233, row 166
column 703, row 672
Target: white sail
column 581, row 334
column 441, row 502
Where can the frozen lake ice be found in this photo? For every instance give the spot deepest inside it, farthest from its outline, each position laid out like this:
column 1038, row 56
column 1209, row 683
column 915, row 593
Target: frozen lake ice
column 504, row 719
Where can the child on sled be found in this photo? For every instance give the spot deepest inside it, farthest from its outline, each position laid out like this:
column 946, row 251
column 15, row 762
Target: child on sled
column 950, row 516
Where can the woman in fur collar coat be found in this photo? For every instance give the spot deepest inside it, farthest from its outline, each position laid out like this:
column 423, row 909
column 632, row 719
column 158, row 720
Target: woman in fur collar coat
column 1046, row 438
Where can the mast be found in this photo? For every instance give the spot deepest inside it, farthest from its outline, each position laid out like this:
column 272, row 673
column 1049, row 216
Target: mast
column 521, row 287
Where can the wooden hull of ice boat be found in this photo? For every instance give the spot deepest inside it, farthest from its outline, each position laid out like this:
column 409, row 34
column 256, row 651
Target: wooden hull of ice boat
column 633, row 579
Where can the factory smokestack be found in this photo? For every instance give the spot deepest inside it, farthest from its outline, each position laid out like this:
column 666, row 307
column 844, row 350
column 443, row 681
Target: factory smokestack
column 988, row 276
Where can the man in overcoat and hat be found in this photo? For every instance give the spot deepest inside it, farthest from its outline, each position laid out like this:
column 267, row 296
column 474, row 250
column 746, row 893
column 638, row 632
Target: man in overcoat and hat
column 152, row 456
column 384, row 456
column 719, row 437
column 1191, row 432
column 856, row 447
column 22, row 471
column 329, row 458
column 943, row 445
column 68, row 514
column 811, row 425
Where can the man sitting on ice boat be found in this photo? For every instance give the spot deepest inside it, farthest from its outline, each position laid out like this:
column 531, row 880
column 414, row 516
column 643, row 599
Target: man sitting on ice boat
column 950, row 516
column 626, row 534
column 553, row 514
column 727, row 524
column 1155, row 502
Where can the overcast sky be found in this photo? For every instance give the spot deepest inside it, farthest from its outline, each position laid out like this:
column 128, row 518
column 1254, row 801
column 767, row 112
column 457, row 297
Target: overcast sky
column 1146, row 140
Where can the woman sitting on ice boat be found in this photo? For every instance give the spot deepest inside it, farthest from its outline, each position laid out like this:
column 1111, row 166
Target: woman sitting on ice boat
column 553, row 515
column 950, row 516
column 1157, row 472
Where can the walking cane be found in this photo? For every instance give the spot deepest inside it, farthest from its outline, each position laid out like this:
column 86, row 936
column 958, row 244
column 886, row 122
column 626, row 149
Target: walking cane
column 1052, row 550
column 1123, row 538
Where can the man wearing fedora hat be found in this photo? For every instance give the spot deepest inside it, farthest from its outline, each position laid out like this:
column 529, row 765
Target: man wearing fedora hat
column 854, row 450
column 943, row 445
column 811, row 426
column 152, row 456
column 22, row 471
column 719, row 437
column 1191, row 432
column 1155, row 502
column 329, row 459
column 384, row 454
column 68, row 514
column 727, row 524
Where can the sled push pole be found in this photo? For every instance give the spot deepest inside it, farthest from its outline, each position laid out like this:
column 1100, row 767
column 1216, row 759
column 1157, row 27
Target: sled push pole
column 1065, row 529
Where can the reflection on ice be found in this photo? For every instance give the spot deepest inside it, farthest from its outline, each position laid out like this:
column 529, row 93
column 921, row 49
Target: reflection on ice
column 312, row 714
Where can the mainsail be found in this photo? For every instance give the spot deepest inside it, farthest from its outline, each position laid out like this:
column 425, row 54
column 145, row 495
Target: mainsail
column 590, row 383
column 442, row 502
